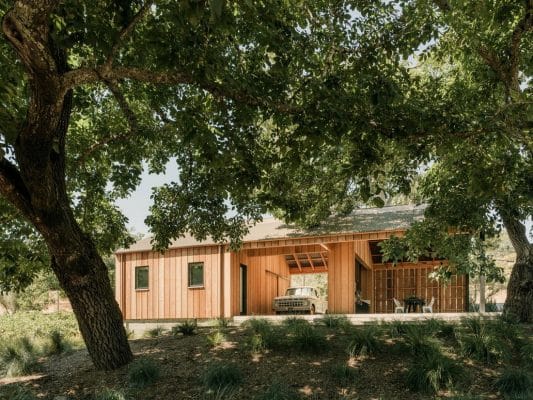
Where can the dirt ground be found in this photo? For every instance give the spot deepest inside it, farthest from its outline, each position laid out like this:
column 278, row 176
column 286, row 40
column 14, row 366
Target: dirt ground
column 184, row 359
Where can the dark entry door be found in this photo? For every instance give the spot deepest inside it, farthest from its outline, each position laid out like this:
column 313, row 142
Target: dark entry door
column 244, row 289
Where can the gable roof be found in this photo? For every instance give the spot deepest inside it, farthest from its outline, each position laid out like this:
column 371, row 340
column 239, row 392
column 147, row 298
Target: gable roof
column 359, row 221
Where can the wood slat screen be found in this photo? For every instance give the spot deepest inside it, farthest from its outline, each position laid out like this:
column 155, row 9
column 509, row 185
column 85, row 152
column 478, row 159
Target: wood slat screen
column 405, row 281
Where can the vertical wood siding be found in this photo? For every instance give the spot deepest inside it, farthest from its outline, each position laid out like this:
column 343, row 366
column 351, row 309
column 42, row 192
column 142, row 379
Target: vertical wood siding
column 268, row 277
column 341, row 278
column 168, row 295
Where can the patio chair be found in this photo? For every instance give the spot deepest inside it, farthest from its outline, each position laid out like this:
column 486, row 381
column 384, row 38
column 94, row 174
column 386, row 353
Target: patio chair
column 398, row 308
column 428, row 308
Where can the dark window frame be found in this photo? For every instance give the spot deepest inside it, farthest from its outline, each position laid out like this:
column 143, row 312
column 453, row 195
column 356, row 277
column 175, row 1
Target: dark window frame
column 192, row 285
column 139, row 269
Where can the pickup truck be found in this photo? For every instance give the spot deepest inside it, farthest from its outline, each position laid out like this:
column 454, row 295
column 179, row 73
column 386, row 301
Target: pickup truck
column 299, row 300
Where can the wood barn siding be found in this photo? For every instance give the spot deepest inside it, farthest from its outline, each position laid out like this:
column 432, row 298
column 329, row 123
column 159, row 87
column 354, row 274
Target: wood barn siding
column 408, row 279
column 168, row 295
column 268, row 277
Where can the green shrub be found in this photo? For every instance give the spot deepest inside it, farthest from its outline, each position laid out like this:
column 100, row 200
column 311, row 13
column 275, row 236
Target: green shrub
column 16, row 392
column 304, row 337
column 57, row 344
column 110, row 394
column 344, row 374
column 432, row 371
column 365, row 340
column 19, row 359
column 279, row 391
column 335, row 321
column 142, row 372
column 221, row 375
column 156, row 332
column 216, row 338
column 515, row 383
column 187, row 328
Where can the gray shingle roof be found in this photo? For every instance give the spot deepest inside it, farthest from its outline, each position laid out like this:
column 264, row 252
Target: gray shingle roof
column 361, row 220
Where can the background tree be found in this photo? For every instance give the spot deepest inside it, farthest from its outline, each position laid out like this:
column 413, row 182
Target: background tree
column 460, row 112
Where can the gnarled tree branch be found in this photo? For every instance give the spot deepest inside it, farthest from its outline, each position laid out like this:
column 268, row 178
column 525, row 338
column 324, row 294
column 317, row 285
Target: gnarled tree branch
column 13, row 189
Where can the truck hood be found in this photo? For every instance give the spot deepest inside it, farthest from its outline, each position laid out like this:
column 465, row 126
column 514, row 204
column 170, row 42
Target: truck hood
column 296, row 297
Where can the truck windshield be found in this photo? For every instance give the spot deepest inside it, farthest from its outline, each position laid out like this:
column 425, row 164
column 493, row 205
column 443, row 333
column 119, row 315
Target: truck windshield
column 300, row 292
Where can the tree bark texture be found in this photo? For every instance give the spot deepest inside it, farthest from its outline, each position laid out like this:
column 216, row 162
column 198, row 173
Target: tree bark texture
column 35, row 185
column 519, row 302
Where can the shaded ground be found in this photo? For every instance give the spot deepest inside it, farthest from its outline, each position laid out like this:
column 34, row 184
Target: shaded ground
column 184, row 359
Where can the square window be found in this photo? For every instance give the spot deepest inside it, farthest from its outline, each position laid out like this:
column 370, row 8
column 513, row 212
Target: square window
column 196, row 274
column 141, row 278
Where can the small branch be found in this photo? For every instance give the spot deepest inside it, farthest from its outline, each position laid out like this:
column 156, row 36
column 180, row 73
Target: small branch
column 126, row 31
column 124, row 106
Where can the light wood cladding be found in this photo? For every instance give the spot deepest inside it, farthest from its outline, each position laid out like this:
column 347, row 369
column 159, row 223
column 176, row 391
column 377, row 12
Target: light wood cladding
column 410, row 279
column 341, row 278
column 168, row 295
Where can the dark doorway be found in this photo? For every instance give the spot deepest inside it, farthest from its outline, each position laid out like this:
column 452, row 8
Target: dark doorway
column 244, row 289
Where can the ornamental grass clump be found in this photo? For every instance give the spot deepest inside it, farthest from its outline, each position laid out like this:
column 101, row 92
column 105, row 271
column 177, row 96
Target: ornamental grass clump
column 216, row 338
column 291, row 322
column 431, row 371
column 481, row 343
column 344, row 374
column 418, row 342
column 19, row 359
column 335, row 321
column 156, row 332
column 142, row 373
column 278, row 391
column 110, row 394
column 16, row 392
column 221, row 375
column 187, row 328
column 262, row 335
column 515, row 383
column 57, row 344
column 365, row 340
column 305, row 337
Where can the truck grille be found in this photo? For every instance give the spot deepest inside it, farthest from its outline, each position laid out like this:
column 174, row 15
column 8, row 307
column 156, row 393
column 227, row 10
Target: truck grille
column 291, row 303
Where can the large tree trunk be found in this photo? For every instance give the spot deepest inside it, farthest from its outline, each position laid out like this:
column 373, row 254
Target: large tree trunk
column 35, row 185
column 83, row 276
column 519, row 302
